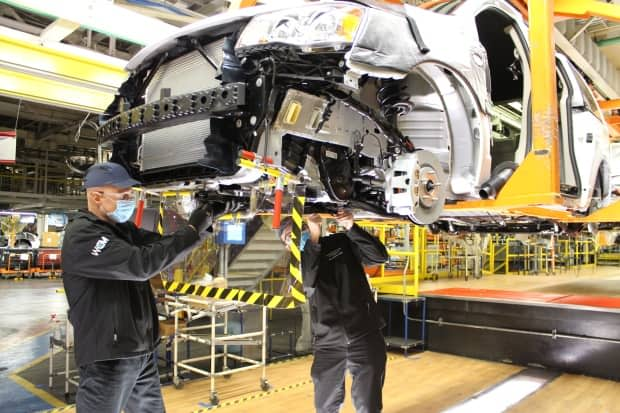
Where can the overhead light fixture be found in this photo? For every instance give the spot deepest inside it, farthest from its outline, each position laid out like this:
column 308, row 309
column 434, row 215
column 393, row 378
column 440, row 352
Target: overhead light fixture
column 80, row 163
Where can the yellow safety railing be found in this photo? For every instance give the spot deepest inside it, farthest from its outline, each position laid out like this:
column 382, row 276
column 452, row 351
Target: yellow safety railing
column 509, row 256
column 407, row 258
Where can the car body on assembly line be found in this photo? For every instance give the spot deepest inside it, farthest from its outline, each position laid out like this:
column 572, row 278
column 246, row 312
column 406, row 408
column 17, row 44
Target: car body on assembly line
column 390, row 109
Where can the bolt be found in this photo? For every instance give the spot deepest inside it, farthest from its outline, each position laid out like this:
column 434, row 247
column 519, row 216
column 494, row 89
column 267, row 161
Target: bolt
column 238, row 123
column 259, row 82
column 253, row 120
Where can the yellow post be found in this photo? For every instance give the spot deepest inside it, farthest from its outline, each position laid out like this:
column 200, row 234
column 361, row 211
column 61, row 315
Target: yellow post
column 507, row 256
column 422, row 252
column 492, row 255
column 417, row 230
column 527, row 184
column 544, row 90
column 552, row 251
column 382, row 239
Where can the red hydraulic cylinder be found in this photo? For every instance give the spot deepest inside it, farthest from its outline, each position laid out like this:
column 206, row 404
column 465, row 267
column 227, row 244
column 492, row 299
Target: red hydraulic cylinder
column 139, row 212
column 277, row 204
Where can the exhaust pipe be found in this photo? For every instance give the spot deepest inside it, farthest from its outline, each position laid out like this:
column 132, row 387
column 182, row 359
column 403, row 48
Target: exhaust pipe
column 498, row 179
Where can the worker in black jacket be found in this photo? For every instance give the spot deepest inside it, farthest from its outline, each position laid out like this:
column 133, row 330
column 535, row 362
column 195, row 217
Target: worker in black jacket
column 346, row 325
column 107, row 263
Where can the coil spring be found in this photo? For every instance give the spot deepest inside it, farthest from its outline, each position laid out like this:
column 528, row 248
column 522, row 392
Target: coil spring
column 393, row 101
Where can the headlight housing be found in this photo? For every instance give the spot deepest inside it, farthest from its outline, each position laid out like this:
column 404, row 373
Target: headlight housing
column 332, row 26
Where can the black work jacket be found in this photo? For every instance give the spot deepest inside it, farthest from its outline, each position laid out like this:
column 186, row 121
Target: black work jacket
column 106, row 268
column 342, row 306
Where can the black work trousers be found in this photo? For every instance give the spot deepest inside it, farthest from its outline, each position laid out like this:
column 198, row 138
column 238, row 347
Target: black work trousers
column 365, row 359
column 111, row 386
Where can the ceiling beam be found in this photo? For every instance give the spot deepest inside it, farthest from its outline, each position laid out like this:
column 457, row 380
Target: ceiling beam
column 162, row 15
column 582, row 63
column 609, row 104
column 22, row 27
column 613, row 41
column 56, row 73
column 44, row 201
column 39, row 113
column 58, row 30
column 101, row 16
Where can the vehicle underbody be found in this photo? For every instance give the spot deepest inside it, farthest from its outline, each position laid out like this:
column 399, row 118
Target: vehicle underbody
column 396, row 143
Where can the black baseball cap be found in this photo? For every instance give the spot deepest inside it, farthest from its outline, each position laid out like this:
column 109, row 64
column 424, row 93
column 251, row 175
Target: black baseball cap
column 108, row 173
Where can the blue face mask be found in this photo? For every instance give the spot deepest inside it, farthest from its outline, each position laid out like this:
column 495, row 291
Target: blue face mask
column 305, row 236
column 124, row 211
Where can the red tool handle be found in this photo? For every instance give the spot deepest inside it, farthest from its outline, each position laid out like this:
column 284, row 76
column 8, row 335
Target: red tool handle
column 139, row 213
column 252, row 156
column 277, row 208
column 247, row 154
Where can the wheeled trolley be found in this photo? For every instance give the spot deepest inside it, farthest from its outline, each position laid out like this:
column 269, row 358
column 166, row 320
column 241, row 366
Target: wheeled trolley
column 61, row 337
column 215, row 334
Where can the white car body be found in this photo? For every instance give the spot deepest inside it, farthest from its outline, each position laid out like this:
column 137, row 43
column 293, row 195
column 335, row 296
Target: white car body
column 416, row 109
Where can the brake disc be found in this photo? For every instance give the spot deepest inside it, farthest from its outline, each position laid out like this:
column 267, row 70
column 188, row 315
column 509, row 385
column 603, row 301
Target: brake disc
column 416, row 187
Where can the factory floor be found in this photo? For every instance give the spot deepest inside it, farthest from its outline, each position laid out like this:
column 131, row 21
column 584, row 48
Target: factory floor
column 426, row 381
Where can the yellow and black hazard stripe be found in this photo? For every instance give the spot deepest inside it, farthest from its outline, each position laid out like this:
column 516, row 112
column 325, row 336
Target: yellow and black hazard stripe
column 160, row 218
column 231, row 294
column 253, row 297
column 296, row 286
column 255, row 396
column 59, row 409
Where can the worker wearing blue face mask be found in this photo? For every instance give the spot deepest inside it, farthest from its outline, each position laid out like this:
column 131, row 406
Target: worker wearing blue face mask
column 107, row 262
column 346, row 324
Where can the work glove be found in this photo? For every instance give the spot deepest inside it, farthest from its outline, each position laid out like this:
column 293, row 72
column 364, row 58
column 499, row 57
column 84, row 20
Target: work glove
column 201, row 219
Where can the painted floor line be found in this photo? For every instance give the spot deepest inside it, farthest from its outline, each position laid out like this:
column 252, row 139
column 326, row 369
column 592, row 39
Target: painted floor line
column 25, row 395
column 41, row 394
column 32, row 388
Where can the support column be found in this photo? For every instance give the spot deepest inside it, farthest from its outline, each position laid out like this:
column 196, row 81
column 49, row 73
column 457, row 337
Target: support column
column 544, row 89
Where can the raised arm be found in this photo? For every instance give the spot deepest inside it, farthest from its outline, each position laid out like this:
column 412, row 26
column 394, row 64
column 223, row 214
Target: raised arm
column 372, row 251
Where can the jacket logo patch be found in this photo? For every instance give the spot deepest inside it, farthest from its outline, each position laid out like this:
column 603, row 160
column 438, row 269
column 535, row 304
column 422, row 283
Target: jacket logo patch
column 333, row 254
column 99, row 246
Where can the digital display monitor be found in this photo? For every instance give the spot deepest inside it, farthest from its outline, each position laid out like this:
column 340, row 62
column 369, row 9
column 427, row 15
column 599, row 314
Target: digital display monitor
column 232, row 233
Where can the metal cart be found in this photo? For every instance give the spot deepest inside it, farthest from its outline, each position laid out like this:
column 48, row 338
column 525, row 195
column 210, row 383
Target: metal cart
column 218, row 313
column 61, row 337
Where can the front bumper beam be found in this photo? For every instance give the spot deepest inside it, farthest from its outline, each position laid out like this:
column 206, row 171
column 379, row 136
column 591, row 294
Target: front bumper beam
column 174, row 110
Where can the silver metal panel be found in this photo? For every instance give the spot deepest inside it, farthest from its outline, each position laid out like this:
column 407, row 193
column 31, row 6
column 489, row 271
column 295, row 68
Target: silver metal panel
column 186, row 73
column 343, row 127
column 427, row 130
column 181, row 144
column 176, row 145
